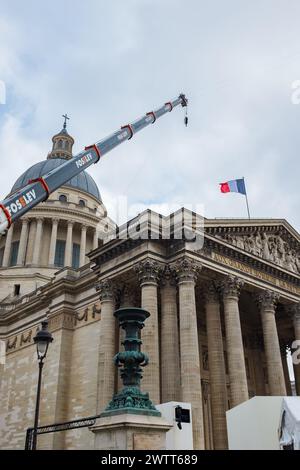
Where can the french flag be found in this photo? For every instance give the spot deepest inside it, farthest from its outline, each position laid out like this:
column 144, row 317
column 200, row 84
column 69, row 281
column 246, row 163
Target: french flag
column 233, row 186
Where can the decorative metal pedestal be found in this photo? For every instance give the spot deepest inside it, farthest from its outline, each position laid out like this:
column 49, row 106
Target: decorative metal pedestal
column 130, row 399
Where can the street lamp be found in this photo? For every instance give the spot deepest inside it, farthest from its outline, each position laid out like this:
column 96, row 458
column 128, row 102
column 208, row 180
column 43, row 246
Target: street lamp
column 42, row 340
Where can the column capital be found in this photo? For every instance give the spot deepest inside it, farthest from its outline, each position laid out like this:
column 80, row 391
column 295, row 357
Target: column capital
column 83, row 226
column 267, row 300
column 25, row 221
column 70, row 222
column 55, row 220
column 106, row 290
column 187, row 269
column 231, row 286
column 168, row 276
column 148, row 271
column 39, row 219
column 210, row 291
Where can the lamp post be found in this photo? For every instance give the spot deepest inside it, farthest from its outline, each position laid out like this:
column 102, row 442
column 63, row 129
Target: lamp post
column 42, row 340
column 131, row 399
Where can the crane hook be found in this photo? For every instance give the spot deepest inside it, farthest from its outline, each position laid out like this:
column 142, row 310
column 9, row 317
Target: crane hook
column 186, row 119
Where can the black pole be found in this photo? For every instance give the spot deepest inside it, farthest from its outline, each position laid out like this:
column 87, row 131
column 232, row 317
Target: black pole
column 37, row 406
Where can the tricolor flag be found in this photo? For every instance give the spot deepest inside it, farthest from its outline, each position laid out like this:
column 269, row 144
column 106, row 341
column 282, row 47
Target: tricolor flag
column 233, row 186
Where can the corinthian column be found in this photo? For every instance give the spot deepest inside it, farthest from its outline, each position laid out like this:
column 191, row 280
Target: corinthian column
column 37, row 241
column 234, row 343
column 216, row 363
column 23, row 243
column 82, row 245
column 266, row 302
column 69, row 244
column 148, row 272
column 187, row 271
column 7, row 249
column 295, row 347
column 170, row 369
column 106, row 368
column 53, row 242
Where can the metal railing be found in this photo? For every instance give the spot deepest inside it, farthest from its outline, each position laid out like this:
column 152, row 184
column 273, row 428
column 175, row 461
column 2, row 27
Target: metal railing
column 75, row 424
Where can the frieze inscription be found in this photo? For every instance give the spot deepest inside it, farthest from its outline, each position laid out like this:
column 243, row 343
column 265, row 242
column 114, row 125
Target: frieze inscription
column 255, row 273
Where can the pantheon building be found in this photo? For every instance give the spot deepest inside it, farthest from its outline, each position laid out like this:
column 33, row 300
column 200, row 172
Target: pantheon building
column 224, row 310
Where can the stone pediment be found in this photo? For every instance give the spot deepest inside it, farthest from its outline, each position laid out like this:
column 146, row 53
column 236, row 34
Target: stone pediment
column 272, row 243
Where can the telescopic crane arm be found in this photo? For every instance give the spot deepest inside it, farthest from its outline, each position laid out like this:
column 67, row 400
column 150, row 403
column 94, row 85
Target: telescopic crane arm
column 38, row 190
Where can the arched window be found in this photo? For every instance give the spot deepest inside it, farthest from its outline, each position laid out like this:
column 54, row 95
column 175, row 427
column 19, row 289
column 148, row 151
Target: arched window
column 63, row 198
column 60, row 144
column 81, row 203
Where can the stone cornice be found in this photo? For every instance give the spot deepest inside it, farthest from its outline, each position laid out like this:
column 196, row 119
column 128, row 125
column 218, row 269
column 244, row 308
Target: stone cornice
column 113, row 248
column 245, row 226
column 58, row 212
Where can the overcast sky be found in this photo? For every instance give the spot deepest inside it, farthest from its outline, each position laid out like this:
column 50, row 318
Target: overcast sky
column 106, row 63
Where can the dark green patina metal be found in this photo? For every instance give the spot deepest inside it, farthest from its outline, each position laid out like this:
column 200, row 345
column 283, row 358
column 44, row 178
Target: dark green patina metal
column 131, row 399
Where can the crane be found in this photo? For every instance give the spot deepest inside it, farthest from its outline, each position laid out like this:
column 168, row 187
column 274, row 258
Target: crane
column 38, row 190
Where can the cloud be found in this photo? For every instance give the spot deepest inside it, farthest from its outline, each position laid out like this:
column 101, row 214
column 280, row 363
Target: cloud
column 107, row 63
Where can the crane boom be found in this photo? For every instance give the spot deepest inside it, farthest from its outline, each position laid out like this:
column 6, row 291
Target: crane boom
column 38, row 190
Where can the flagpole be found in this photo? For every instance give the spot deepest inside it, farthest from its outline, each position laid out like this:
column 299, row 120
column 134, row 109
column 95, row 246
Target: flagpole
column 246, row 200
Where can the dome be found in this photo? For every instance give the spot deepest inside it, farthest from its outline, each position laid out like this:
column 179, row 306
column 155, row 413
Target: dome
column 83, row 181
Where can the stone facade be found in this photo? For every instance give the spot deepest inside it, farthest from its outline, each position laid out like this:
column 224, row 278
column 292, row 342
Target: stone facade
column 221, row 320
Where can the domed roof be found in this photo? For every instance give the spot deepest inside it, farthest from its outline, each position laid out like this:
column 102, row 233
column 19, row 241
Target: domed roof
column 83, row 181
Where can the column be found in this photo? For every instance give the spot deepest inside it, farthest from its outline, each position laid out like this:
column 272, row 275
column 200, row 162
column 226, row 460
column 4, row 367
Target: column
column 95, row 240
column 53, row 239
column 23, row 243
column 170, row 368
column 187, row 271
column 216, row 363
column 295, row 347
column 106, row 367
column 234, row 343
column 148, row 272
column 256, row 346
column 37, row 241
column 266, row 302
column 82, row 245
column 7, row 249
column 283, row 352
column 69, row 244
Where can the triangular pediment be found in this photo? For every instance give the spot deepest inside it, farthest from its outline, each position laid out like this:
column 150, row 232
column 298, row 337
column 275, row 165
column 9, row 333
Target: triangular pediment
column 271, row 240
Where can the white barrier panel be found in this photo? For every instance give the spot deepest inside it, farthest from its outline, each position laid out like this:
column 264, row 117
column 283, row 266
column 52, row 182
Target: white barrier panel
column 180, row 436
column 254, row 424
